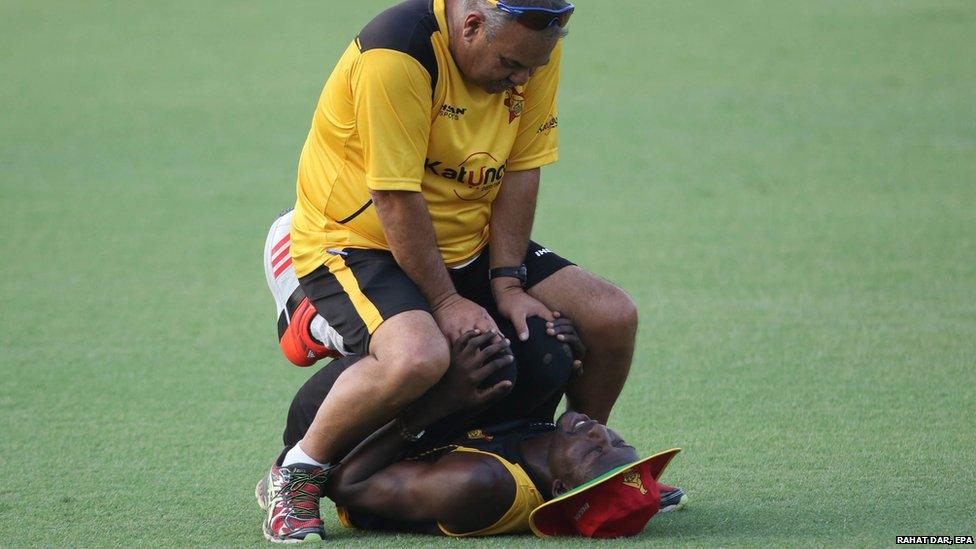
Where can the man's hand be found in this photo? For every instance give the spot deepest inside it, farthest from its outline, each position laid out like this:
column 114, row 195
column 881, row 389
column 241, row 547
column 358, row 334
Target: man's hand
column 475, row 356
column 455, row 315
column 564, row 330
column 517, row 305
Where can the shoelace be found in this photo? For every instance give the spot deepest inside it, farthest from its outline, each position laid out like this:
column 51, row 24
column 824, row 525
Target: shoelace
column 297, row 480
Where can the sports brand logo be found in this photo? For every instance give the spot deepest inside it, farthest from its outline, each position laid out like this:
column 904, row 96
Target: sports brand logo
column 633, row 479
column 549, row 125
column 515, row 102
column 281, row 255
column 452, row 112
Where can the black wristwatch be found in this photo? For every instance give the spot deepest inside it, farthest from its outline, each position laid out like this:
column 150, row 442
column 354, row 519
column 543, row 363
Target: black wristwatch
column 520, row 272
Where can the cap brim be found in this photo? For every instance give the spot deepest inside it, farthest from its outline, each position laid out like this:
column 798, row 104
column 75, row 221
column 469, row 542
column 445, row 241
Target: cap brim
column 659, row 462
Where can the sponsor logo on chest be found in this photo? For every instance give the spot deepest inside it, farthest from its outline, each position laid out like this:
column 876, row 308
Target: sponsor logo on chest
column 479, row 174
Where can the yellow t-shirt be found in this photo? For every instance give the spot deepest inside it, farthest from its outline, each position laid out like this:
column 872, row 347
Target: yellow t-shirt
column 514, row 521
column 397, row 115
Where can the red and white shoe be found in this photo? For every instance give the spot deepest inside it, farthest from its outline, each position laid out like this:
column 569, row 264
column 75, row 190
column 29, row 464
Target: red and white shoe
column 295, row 313
column 290, row 498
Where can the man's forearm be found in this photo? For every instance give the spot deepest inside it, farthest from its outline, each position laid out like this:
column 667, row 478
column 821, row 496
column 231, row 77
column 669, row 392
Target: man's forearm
column 512, row 215
column 410, row 234
column 382, row 449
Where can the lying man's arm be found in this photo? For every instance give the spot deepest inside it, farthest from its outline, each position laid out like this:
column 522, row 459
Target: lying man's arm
column 463, row 492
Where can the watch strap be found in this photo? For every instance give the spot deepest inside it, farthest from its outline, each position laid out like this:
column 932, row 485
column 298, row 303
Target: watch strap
column 520, row 272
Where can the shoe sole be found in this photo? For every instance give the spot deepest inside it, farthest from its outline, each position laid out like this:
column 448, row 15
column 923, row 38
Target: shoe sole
column 285, row 286
column 260, row 493
column 290, row 541
column 281, row 288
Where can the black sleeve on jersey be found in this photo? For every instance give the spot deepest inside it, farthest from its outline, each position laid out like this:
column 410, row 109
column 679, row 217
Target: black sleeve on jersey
column 406, row 28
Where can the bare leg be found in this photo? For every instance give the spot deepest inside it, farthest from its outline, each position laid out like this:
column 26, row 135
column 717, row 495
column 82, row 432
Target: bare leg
column 607, row 321
column 408, row 354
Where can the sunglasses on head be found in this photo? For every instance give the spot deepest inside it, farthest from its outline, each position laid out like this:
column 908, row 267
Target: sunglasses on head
column 537, row 18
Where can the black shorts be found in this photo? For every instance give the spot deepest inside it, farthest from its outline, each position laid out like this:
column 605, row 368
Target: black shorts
column 356, row 289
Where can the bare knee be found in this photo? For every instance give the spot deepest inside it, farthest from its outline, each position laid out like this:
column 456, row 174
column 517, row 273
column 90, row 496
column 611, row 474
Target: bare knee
column 627, row 316
column 412, row 352
column 604, row 313
column 614, row 316
column 420, row 364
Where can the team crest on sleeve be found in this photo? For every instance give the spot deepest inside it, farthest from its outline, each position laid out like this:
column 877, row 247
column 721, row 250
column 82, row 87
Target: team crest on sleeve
column 633, row 479
column 515, row 102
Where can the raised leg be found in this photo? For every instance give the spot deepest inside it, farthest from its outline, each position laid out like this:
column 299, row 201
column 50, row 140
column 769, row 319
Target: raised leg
column 408, row 354
column 607, row 321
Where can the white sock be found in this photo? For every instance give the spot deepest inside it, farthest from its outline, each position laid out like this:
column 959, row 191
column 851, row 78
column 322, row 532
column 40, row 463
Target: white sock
column 297, row 455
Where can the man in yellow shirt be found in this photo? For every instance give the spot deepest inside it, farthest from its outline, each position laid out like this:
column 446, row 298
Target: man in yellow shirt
column 423, row 155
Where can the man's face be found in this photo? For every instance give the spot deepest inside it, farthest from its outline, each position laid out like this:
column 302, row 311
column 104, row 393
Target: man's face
column 583, row 449
column 507, row 59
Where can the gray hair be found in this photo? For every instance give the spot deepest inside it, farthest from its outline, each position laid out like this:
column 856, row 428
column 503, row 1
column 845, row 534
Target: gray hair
column 495, row 18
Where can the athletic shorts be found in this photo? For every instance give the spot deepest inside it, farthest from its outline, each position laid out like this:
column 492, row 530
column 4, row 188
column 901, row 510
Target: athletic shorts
column 356, row 290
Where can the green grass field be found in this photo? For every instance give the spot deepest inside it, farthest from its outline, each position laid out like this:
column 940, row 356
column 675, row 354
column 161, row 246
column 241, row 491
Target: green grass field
column 786, row 188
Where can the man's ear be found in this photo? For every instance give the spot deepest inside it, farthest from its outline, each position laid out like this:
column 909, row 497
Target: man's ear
column 473, row 24
column 558, row 488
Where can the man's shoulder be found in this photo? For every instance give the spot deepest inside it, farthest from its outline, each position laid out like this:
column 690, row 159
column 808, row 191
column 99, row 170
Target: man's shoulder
column 406, row 27
column 485, row 475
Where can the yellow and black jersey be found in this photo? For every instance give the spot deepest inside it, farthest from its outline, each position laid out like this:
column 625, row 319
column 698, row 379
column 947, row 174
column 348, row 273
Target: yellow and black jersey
column 502, row 443
column 397, row 115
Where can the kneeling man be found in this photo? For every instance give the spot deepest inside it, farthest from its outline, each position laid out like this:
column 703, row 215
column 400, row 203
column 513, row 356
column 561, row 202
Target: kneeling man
column 415, row 201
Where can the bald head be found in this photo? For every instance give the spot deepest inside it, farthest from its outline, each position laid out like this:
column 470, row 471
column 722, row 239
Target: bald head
column 495, row 18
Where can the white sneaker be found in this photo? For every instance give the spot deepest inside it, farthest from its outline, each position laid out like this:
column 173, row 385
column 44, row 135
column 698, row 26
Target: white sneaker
column 291, row 304
column 278, row 270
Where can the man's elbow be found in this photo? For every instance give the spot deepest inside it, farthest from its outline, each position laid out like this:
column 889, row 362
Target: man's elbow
column 380, row 197
column 396, row 203
column 340, row 489
column 526, row 176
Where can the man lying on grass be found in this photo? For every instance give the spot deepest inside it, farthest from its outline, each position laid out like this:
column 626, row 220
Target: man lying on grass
column 569, row 477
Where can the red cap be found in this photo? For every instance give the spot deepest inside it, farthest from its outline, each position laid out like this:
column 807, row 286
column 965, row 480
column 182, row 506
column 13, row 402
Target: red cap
column 616, row 504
